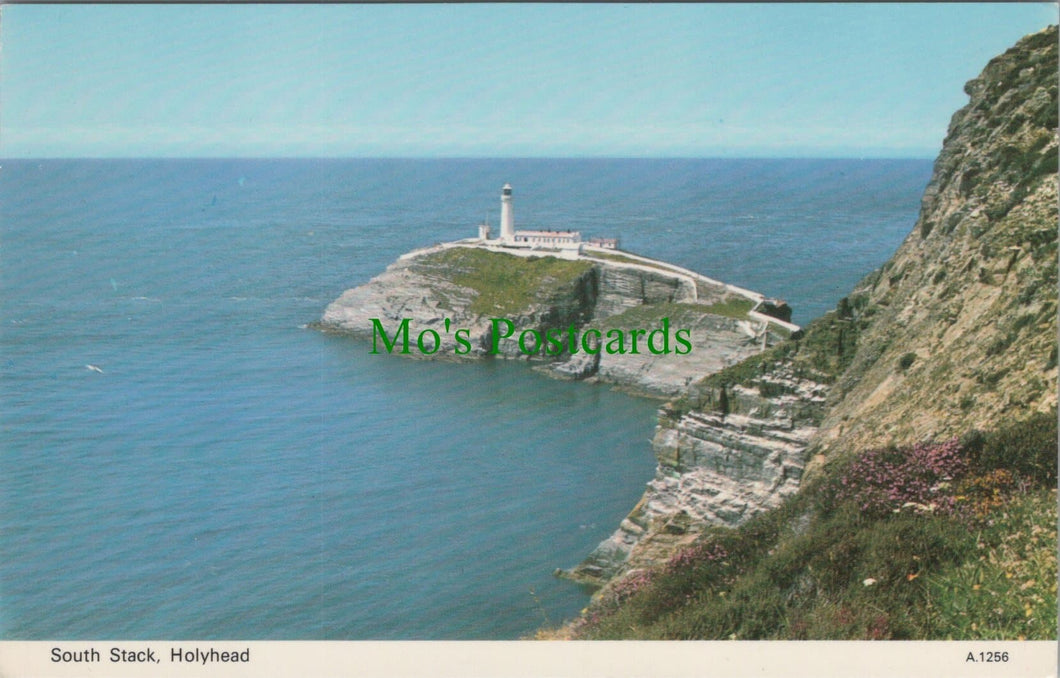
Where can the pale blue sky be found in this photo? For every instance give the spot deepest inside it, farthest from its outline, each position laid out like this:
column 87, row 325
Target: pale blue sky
column 493, row 80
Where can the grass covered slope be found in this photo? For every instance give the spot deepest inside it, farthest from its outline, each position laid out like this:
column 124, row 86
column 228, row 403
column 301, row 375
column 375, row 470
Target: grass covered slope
column 929, row 510
column 639, row 315
column 881, row 548
column 649, row 328
column 505, row 285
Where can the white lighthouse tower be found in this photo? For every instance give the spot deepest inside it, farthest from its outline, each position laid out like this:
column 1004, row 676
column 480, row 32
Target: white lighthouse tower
column 507, row 218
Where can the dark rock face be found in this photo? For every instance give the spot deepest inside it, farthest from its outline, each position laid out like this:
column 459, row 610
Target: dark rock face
column 776, row 309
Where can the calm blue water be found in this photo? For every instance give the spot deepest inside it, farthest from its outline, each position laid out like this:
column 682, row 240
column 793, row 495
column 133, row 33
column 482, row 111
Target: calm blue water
column 231, row 474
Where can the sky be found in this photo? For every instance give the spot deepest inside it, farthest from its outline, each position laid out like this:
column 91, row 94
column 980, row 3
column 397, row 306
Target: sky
column 493, row 80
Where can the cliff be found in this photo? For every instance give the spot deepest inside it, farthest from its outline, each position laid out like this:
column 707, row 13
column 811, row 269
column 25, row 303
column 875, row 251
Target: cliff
column 733, row 446
column 468, row 286
column 954, row 337
column 958, row 330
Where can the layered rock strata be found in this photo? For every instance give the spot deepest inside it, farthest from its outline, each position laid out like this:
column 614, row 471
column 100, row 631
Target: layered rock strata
column 714, row 468
column 959, row 328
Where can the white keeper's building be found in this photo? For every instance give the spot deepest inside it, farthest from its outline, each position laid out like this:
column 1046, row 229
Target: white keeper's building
column 565, row 241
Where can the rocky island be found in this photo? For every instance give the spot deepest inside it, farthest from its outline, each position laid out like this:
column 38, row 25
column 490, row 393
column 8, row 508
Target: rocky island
column 592, row 290
column 712, row 468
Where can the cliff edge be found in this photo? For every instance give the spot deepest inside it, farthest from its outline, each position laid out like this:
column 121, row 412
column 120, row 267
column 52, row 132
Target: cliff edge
column 890, row 472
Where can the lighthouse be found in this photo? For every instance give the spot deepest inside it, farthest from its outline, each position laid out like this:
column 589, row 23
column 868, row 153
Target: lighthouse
column 507, row 218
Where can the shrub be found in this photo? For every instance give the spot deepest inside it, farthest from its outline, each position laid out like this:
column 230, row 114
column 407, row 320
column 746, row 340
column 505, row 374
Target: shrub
column 984, row 493
column 906, row 361
column 938, row 540
column 1027, row 447
column 695, row 555
column 1006, row 588
column 883, row 481
column 625, row 588
column 926, row 226
column 772, row 389
column 999, row 345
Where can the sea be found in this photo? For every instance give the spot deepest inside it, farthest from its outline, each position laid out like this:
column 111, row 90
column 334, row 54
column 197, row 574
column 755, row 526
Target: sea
column 182, row 457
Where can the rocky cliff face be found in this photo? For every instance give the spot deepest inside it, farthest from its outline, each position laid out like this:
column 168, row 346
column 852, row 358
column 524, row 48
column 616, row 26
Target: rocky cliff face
column 431, row 286
column 622, row 289
column 721, row 462
column 469, row 286
column 958, row 331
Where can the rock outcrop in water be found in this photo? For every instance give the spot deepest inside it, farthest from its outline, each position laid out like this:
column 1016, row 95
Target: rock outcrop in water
column 468, row 286
column 712, row 467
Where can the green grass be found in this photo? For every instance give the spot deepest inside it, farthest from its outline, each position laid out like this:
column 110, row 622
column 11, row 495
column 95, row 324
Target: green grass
column 734, row 307
column 777, row 585
column 1007, row 588
column 506, row 285
column 903, row 577
column 820, row 568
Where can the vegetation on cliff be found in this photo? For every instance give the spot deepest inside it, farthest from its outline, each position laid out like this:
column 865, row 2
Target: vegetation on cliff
column 929, row 509
column 503, row 284
column 821, row 352
column 936, row 541
column 659, row 326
